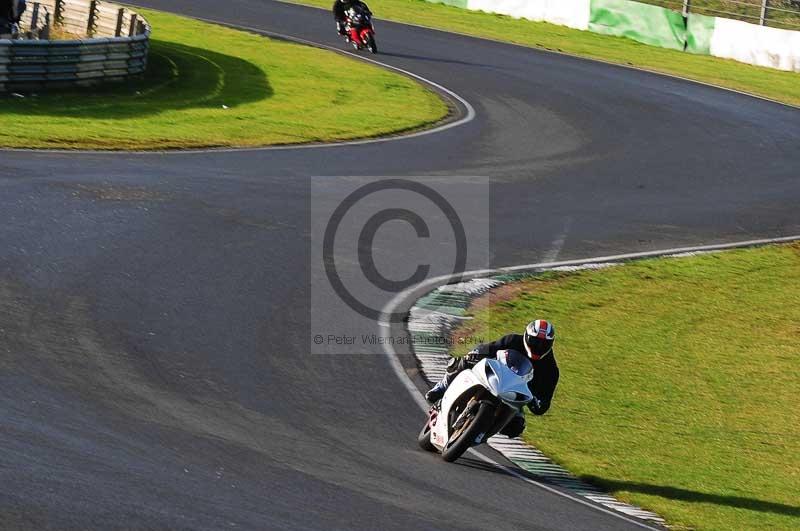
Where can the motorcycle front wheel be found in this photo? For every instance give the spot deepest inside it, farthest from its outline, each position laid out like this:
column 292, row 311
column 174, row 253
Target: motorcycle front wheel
column 424, row 438
column 464, row 438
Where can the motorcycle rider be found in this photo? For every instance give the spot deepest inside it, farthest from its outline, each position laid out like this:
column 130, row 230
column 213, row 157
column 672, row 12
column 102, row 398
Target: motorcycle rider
column 340, row 8
column 537, row 342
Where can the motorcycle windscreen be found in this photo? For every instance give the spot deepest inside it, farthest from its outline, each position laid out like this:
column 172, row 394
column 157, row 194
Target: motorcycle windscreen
column 516, row 361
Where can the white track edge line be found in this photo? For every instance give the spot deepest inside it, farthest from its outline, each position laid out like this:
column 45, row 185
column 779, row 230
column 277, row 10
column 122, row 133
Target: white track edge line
column 461, row 100
column 405, row 379
column 468, row 117
column 581, row 57
column 548, row 488
column 467, row 275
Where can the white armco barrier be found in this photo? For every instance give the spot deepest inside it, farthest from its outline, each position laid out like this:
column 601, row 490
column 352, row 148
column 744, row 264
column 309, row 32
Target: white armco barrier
column 572, row 13
column 731, row 39
column 527, row 9
column 756, row 45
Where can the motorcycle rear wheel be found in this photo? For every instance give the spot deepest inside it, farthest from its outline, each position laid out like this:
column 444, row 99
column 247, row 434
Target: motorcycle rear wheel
column 371, row 45
column 480, row 423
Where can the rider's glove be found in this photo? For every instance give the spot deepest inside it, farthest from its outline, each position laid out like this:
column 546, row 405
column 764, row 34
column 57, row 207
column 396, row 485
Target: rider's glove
column 535, row 405
column 473, row 356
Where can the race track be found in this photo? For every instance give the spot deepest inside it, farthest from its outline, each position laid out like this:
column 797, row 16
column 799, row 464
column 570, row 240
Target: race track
column 155, row 308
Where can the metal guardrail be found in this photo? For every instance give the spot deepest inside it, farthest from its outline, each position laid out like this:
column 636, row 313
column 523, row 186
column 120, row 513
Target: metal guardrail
column 775, row 13
column 112, row 46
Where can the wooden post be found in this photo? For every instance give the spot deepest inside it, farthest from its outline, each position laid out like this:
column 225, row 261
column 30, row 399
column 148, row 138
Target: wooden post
column 58, row 16
column 45, row 33
column 763, row 18
column 35, row 16
column 92, row 18
column 687, row 6
column 120, row 21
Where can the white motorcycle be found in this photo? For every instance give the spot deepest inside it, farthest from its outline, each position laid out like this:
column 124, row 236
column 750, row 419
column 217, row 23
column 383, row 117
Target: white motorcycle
column 478, row 404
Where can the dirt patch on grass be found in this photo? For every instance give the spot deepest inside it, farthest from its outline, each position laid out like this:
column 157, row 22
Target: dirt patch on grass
column 497, row 300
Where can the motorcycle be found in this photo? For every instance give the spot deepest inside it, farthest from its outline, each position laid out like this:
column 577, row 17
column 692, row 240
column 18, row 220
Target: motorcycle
column 359, row 29
column 478, row 404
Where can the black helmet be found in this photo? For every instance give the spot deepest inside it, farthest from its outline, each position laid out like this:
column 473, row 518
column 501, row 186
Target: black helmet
column 539, row 337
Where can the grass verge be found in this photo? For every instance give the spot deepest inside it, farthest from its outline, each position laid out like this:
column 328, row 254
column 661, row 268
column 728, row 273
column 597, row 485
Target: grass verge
column 679, row 382
column 769, row 83
column 211, row 86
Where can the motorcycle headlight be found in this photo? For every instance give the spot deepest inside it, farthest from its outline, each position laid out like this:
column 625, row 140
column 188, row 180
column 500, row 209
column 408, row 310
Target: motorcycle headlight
column 511, row 396
column 491, row 378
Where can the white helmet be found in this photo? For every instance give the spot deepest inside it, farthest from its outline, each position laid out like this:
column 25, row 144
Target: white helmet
column 539, row 337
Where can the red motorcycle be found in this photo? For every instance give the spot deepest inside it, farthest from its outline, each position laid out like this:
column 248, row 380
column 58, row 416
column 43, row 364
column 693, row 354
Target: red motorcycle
column 359, row 29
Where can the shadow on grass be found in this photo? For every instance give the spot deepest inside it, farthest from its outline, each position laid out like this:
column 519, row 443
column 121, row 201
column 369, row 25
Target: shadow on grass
column 177, row 77
column 674, row 493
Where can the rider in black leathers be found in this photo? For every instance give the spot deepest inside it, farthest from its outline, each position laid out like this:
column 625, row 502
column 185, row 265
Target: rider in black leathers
column 340, row 8
column 537, row 342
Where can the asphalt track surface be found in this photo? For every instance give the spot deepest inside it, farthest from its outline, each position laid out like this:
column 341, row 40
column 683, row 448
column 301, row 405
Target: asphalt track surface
column 155, row 308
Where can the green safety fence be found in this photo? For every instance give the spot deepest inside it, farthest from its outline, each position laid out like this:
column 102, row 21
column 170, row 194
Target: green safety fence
column 644, row 23
column 699, row 30
column 455, row 3
column 656, row 26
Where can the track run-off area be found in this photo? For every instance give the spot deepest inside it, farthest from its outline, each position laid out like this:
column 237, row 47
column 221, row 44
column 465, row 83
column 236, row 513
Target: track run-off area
column 157, row 309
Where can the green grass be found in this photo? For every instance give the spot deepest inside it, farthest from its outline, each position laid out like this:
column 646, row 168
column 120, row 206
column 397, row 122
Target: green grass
column 769, row 83
column 275, row 93
column 680, row 382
